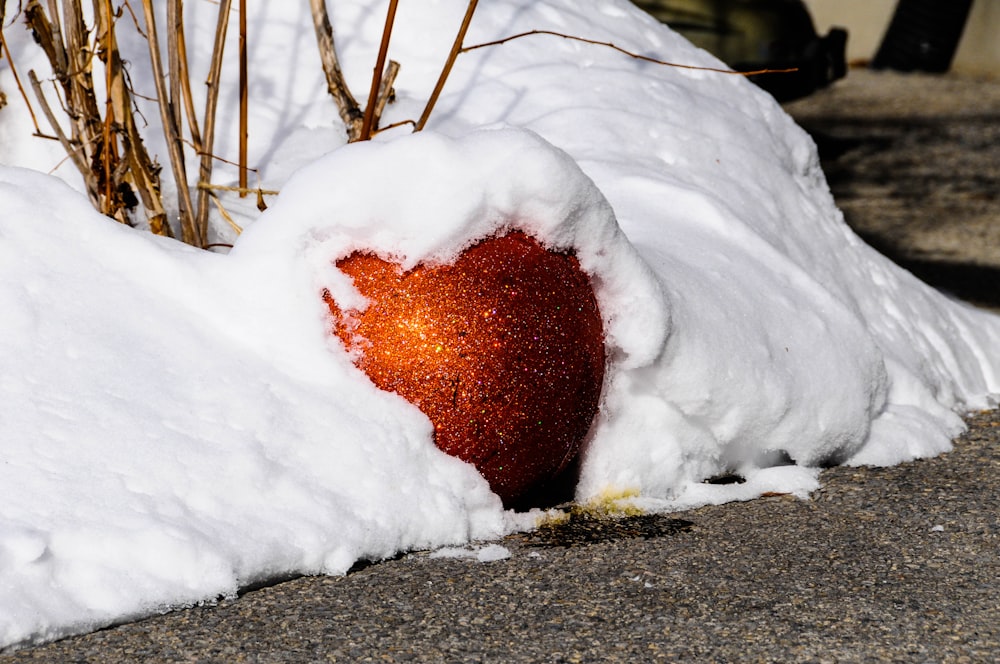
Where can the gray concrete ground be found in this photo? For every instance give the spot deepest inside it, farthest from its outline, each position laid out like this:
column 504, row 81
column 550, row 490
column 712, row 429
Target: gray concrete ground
column 893, row 564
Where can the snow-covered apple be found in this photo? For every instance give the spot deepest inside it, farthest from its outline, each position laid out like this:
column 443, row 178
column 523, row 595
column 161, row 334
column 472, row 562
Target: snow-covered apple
column 503, row 350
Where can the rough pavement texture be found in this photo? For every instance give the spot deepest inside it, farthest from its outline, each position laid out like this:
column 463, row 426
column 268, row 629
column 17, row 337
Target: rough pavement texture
column 881, row 564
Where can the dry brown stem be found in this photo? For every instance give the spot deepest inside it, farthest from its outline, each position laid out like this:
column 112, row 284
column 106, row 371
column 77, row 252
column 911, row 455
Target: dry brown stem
column 189, row 112
column 385, row 93
column 456, row 48
column 637, row 56
column 368, row 124
column 104, row 146
column 189, row 232
column 347, row 106
column 72, row 151
column 211, row 104
column 173, row 21
column 5, row 52
column 69, row 57
column 244, row 103
column 141, row 173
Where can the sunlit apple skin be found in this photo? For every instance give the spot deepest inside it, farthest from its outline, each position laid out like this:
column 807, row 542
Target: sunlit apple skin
column 503, row 350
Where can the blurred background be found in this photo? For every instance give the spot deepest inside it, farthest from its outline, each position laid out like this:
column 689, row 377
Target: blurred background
column 820, row 38
column 866, row 21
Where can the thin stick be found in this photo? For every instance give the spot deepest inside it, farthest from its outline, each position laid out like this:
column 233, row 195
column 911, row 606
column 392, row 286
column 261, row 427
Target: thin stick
column 637, row 56
column 174, row 21
column 396, row 124
column 383, row 49
column 211, row 104
column 384, row 93
column 225, row 215
column 456, row 48
column 189, row 233
column 83, row 110
column 141, row 173
column 17, row 79
column 185, row 79
column 73, row 152
column 109, row 143
column 347, row 106
column 243, row 95
column 252, row 190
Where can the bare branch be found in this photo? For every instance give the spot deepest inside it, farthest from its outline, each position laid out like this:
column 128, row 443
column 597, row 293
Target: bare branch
column 383, row 49
column 17, row 79
column 211, row 104
column 72, row 151
column 637, row 56
column 385, row 93
column 244, row 105
column 350, row 112
column 185, row 81
column 189, row 233
column 456, row 48
column 137, row 170
column 175, row 23
column 49, row 38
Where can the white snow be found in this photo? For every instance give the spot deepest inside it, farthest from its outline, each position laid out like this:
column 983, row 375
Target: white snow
column 176, row 424
column 487, row 553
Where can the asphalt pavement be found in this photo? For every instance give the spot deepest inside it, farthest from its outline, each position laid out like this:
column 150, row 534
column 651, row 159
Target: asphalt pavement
column 881, row 564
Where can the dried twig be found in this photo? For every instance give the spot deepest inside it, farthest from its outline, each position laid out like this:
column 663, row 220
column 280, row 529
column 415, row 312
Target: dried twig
column 106, row 149
column 251, row 190
column 189, row 232
column 72, row 70
column 612, row 46
column 4, row 49
column 185, row 80
column 347, row 106
column 368, row 124
column 211, row 104
column 225, row 215
column 385, row 93
column 456, row 48
column 176, row 69
column 397, row 124
column 244, row 104
column 72, row 151
column 141, row 172
column 109, row 146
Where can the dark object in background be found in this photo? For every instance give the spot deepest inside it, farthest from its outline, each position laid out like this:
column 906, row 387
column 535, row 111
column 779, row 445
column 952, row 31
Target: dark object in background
column 760, row 34
column 923, row 35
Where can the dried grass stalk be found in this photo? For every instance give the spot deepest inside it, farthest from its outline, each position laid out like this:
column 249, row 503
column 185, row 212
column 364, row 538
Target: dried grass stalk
column 140, row 172
column 456, row 48
column 171, row 127
column 368, row 124
column 244, row 102
column 385, row 92
column 105, row 146
column 211, row 104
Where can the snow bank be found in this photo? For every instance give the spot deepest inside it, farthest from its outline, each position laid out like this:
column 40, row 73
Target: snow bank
column 163, row 445
column 177, row 424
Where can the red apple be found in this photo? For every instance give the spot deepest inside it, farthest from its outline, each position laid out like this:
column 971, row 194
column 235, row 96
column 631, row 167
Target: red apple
column 503, row 350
